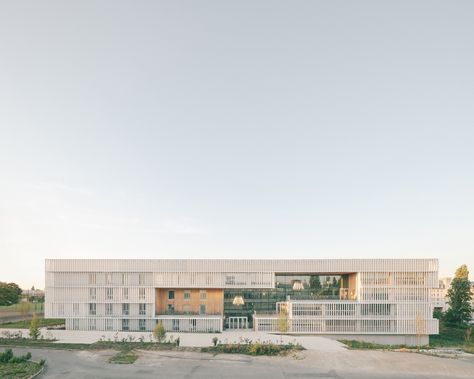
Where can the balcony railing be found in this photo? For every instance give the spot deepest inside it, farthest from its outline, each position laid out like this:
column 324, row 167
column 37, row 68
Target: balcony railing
column 180, row 313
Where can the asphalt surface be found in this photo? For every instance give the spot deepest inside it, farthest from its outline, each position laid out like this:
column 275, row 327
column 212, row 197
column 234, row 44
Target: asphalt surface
column 308, row 364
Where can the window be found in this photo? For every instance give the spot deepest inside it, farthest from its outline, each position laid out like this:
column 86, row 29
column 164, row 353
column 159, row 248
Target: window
column 108, row 278
column 187, row 295
column 108, row 309
column 124, row 279
column 109, row 324
column 142, row 325
column 75, row 309
column 192, row 324
column 170, row 309
column 109, row 293
column 202, row 309
column 92, row 293
column 141, row 293
column 141, row 279
column 92, row 279
column 92, row 309
column 170, row 295
column 203, row 294
column 125, row 309
column 142, row 309
column 125, row 293
column 92, row 324
column 125, row 324
column 75, row 324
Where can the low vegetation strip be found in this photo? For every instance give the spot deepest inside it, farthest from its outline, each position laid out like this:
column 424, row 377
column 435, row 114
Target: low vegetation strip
column 254, row 348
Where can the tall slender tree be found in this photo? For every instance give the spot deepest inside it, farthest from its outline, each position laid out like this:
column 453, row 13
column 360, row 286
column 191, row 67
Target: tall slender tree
column 459, row 299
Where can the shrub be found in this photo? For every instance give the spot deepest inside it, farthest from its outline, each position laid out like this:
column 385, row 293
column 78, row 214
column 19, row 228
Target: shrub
column 214, row 341
column 159, row 333
column 6, row 356
column 34, row 328
column 468, row 335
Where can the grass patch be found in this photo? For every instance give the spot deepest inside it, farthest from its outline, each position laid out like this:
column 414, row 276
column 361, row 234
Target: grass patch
column 12, row 366
column 255, row 348
column 19, row 370
column 25, row 324
column 452, row 336
column 124, row 357
column 448, row 337
column 362, row 345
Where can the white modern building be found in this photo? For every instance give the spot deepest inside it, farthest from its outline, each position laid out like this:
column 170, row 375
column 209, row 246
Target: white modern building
column 380, row 300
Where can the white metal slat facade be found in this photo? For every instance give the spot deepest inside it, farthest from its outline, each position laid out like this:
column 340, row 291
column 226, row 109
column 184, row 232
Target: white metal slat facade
column 72, row 284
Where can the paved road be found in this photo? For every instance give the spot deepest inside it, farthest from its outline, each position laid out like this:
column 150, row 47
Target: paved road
column 308, row 364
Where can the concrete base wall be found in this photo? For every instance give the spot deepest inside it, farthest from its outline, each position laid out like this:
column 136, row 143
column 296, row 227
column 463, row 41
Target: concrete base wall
column 387, row 339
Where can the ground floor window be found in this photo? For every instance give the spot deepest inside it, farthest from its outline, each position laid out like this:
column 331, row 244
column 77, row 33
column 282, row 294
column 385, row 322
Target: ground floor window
column 175, row 325
column 142, row 325
column 109, row 324
column 125, row 324
column 92, row 324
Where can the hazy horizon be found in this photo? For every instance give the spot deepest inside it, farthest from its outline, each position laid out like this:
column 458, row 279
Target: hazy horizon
column 263, row 130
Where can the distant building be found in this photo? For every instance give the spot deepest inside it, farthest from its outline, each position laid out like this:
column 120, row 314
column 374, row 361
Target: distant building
column 379, row 300
column 33, row 293
column 440, row 299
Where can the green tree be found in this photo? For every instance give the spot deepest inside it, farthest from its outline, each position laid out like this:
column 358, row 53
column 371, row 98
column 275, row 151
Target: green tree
column 9, row 293
column 34, row 328
column 159, row 333
column 459, row 299
column 438, row 313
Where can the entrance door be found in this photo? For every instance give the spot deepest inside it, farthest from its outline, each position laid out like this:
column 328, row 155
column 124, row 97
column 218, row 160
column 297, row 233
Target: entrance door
column 238, row 323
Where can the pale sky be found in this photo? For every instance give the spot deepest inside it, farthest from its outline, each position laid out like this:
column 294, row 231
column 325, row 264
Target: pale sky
column 235, row 129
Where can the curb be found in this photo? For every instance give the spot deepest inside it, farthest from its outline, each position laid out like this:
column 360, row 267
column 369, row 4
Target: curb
column 39, row 372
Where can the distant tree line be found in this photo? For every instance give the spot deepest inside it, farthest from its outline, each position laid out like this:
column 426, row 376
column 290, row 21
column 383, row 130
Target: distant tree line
column 9, row 293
